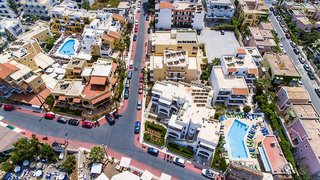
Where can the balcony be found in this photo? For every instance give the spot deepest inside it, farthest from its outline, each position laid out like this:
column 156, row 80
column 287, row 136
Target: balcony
column 223, row 93
column 238, row 97
column 236, row 102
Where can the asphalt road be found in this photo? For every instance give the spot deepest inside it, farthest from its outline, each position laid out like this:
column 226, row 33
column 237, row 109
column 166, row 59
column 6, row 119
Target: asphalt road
column 119, row 137
column 308, row 84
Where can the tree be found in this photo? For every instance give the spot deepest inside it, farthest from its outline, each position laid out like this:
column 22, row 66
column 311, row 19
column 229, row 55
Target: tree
column 47, row 152
column 50, row 43
column 86, row 4
column 69, row 164
column 216, row 62
column 24, row 150
column 262, row 84
column 6, row 166
column 49, row 100
column 204, row 76
column 246, row 109
column 13, row 5
column 97, row 154
column 304, row 173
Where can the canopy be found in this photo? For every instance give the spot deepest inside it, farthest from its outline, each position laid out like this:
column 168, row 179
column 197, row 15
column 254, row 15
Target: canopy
column 102, row 176
column 39, row 165
column 146, row 175
column 17, row 169
column 125, row 162
column 96, row 168
column 165, row 176
column 125, row 175
column 62, row 176
column 38, row 173
column 25, row 163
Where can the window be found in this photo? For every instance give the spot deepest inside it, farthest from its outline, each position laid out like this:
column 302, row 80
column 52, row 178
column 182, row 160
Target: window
column 300, row 150
column 39, row 81
column 306, row 146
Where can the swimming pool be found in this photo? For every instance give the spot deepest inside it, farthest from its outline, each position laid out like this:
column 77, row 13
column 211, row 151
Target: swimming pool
column 68, row 48
column 236, row 142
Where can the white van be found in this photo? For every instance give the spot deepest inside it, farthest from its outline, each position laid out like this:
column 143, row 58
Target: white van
column 131, row 64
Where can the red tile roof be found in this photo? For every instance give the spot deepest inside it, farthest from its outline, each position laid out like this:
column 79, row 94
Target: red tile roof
column 97, row 80
column 62, row 98
column 6, row 69
column 232, row 70
column 240, row 91
column 32, row 99
column 103, row 97
column 76, row 100
column 241, row 51
column 253, row 71
column 165, row 4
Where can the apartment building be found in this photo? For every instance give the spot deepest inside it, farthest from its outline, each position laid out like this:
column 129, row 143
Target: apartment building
column 242, row 63
column 18, row 78
column 261, row 38
column 39, row 8
column 92, row 91
column 175, row 40
column 40, row 31
column 220, row 10
column 6, row 11
column 100, row 37
column 175, row 66
column 228, row 90
column 283, row 71
column 188, row 106
column 11, row 28
column 250, row 12
column 74, row 68
column 179, row 14
column 287, row 96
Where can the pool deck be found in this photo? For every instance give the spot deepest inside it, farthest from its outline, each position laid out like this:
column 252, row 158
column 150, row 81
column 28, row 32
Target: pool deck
column 76, row 46
column 258, row 137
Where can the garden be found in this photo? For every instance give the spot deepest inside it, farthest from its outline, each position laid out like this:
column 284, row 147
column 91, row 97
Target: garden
column 154, row 133
column 219, row 162
column 183, row 151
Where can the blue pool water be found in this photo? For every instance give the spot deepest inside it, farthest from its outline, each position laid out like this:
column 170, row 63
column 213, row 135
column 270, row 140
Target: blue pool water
column 236, row 141
column 68, row 48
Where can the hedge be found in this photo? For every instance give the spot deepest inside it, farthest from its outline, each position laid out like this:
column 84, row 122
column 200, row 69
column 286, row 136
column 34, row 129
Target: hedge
column 180, row 150
column 67, row 111
column 156, row 127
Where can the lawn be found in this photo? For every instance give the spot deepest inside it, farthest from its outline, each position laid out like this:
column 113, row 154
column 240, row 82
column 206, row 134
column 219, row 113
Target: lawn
column 154, row 133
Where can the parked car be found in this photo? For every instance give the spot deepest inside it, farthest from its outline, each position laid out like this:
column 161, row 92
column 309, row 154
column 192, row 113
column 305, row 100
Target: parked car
column 129, row 76
column 153, row 151
column 311, row 75
column 74, row 122
column 287, row 35
column 49, row 116
column 296, row 51
column 293, row 44
column 147, row 18
column 317, row 90
column 141, row 77
column 126, row 94
column 136, row 28
column 110, row 119
column 306, row 67
column 116, row 114
column 285, row 30
column 271, row 9
column 280, row 45
column 8, row 107
column 139, row 105
column 87, row 124
column 127, row 84
column 140, row 91
column 302, row 60
column 137, row 127
column 62, row 119
column 222, row 32
column 279, row 18
column 134, row 37
column 208, row 173
column 179, row 161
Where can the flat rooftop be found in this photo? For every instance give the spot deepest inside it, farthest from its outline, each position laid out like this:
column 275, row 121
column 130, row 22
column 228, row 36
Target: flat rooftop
column 312, row 127
column 38, row 27
column 305, row 110
column 228, row 82
column 276, row 158
column 174, row 59
column 281, row 65
column 69, row 88
column 297, row 92
column 7, row 138
column 174, row 37
column 262, row 37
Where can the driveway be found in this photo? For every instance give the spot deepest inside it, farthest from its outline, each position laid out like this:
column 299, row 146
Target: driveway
column 216, row 44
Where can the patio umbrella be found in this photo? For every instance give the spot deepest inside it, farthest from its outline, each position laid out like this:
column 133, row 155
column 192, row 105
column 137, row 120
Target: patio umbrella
column 38, row 173
column 17, row 169
column 33, row 165
column 39, row 165
column 25, row 163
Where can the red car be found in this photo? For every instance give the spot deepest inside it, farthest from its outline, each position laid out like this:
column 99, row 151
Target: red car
column 140, row 89
column 8, row 107
column 49, row 116
column 87, row 124
column 141, row 77
column 136, row 29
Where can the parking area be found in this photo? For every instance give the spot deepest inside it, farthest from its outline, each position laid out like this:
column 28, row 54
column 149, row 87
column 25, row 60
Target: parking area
column 216, row 44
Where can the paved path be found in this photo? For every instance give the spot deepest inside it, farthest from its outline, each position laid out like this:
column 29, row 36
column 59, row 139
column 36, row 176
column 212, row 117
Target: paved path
column 119, row 138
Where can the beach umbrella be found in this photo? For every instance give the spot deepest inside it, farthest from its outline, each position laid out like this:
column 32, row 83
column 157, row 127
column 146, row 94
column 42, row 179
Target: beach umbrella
column 25, row 163
column 39, row 165
column 17, row 169
column 33, row 165
column 38, row 173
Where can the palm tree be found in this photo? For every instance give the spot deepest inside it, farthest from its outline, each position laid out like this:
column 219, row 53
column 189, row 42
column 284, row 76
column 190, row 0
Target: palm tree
column 97, row 154
column 262, row 84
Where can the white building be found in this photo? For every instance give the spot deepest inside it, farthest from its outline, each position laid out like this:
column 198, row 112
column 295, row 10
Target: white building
column 11, row 27
column 242, row 63
column 219, row 10
column 5, row 10
column 229, row 90
column 40, row 8
column 180, row 14
column 188, row 106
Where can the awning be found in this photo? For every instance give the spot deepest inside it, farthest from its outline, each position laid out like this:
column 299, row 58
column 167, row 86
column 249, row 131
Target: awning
column 77, row 71
column 62, row 98
column 146, row 175
column 103, row 97
column 125, row 175
column 264, row 159
column 232, row 70
column 240, row 91
column 76, row 100
column 125, row 162
column 98, row 80
column 165, row 176
column 102, row 176
column 96, row 168
column 253, row 71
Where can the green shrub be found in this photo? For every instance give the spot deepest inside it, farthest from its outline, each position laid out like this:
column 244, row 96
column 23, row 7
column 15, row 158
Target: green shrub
column 183, row 151
column 67, row 111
